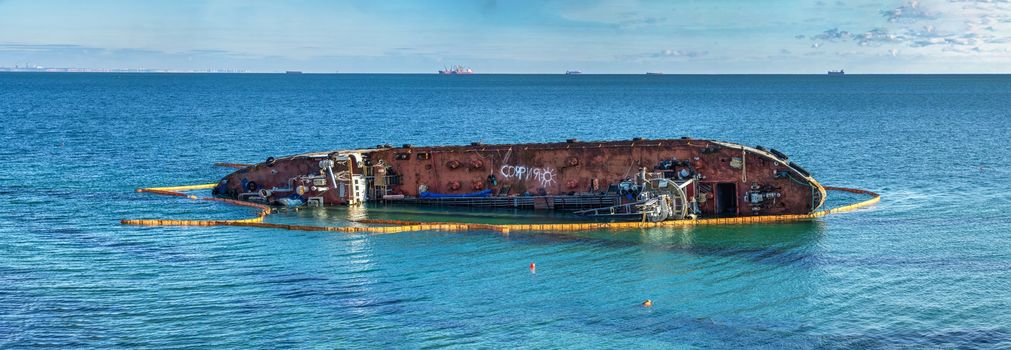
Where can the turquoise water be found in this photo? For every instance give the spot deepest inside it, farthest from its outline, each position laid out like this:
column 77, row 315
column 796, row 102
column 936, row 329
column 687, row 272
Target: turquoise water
column 927, row 267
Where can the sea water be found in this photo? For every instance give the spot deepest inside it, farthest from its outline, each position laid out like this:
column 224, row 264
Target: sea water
column 927, row 267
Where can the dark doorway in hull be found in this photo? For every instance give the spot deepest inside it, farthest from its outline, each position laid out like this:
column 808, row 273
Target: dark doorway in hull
column 726, row 199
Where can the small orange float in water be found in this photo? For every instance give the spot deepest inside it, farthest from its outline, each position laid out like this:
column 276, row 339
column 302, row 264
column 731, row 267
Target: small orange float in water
column 647, row 303
column 533, row 267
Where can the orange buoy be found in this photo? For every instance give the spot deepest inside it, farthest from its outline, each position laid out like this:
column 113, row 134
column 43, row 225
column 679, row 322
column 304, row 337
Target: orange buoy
column 647, row 303
column 533, row 267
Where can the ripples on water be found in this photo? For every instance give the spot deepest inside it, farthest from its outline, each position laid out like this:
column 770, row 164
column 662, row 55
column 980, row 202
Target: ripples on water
column 928, row 267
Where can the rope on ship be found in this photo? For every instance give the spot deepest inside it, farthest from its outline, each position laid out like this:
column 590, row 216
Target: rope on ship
column 411, row 226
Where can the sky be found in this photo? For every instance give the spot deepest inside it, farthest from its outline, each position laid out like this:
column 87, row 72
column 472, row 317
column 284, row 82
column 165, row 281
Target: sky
column 514, row 36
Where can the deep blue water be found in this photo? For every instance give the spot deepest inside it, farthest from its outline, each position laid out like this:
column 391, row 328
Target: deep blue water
column 927, row 267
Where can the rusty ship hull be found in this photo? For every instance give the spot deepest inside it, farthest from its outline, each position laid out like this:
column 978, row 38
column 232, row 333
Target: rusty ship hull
column 638, row 179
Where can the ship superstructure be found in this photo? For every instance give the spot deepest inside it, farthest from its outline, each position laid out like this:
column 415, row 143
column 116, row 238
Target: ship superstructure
column 456, row 70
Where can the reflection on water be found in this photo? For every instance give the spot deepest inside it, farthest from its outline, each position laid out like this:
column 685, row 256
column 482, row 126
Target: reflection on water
column 787, row 243
column 356, row 213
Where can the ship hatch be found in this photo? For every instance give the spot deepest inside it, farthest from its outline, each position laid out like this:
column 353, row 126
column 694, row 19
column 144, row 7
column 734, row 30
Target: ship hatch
column 726, row 198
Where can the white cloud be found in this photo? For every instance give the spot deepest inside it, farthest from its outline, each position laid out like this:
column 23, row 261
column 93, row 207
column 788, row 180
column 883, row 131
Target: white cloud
column 666, row 54
column 954, row 26
column 680, row 53
column 908, row 12
column 833, row 34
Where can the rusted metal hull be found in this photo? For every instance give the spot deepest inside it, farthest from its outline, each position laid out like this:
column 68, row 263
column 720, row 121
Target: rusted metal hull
column 633, row 179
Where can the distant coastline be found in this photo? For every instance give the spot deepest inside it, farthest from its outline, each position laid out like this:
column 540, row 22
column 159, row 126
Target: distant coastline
column 38, row 69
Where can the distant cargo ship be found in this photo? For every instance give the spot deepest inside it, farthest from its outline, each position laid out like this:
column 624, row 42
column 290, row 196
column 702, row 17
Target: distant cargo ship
column 654, row 73
column 457, row 70
column 836, row 72
column 292, row 72
column 573, row 72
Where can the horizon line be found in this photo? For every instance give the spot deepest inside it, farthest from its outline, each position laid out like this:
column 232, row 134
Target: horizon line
column 226, row 72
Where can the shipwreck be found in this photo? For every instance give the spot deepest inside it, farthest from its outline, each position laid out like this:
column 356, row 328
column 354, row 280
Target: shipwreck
column 633, row 180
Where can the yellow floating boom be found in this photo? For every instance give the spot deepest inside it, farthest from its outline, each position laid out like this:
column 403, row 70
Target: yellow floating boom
column 411, row 226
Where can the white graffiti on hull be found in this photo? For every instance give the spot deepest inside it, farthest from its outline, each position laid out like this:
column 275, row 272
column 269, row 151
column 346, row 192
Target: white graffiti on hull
column 544, row 176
